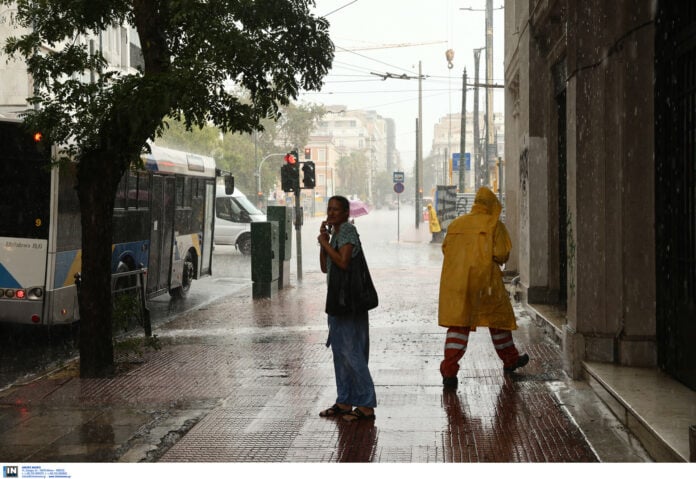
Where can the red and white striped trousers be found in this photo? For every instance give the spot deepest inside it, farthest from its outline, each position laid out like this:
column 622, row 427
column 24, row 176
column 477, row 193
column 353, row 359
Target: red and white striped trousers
column 457, row 340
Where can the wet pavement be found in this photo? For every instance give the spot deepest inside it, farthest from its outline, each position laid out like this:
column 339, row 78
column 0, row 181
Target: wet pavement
column 242, row 380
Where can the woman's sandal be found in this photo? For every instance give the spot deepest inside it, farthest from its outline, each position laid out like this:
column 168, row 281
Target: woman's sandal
column 357, row 415
column 334, row 410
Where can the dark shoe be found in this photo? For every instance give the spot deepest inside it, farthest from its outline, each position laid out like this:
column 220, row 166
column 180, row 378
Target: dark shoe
column 450, row 382
column 522, row 360
column 357, row 415
column 333, row 411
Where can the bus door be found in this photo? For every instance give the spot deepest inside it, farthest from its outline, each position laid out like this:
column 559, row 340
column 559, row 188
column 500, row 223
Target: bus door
column 208, row 228
column 161, row 233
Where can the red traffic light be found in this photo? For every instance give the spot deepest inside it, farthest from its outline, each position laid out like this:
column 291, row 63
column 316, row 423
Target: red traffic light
column 290, row 159
column 307, row 153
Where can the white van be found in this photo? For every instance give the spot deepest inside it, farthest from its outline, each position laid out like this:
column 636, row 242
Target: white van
column 233, row 216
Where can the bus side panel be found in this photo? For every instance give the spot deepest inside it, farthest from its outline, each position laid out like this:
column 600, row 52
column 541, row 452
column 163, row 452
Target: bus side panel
column 65, row 255
column 62, row 306
column 207, row 247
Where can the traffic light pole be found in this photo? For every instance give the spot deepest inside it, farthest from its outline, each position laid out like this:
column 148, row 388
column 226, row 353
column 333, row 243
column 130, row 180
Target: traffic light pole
column 290, row 181
column 298, row 233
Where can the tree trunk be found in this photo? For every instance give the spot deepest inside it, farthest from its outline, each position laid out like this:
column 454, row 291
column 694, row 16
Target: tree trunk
column 95, row 190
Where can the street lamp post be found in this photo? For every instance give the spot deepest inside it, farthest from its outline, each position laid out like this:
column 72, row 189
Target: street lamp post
column 258, row 171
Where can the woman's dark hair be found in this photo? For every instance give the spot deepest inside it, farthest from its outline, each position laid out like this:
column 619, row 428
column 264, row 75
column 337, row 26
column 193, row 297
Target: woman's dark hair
column 343, row 201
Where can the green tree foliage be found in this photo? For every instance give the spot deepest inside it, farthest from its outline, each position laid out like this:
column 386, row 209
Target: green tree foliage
column 202, row 141
column 196, row 56
column 242, row 153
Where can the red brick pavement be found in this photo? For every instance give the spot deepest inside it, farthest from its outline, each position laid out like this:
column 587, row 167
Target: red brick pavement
column 244, row 380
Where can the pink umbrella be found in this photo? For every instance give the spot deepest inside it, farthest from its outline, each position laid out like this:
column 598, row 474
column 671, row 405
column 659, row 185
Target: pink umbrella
column 358, row 208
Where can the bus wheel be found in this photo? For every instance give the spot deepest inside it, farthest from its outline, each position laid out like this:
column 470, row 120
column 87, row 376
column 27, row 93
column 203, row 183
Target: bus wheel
column 244, row 244
column 186, row 278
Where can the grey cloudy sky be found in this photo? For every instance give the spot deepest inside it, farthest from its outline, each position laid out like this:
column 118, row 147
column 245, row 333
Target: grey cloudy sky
column 392, row 36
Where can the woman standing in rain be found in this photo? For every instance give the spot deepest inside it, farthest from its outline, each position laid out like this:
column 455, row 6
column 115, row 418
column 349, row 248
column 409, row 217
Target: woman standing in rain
column 472, row 293
column 348, row 334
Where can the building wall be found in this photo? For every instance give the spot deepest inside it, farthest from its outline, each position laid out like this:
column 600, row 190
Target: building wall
column 120, row 46
column 446, row 138
column 364, row 131
column 16, row 85
column 610, row 58
column 598, row 56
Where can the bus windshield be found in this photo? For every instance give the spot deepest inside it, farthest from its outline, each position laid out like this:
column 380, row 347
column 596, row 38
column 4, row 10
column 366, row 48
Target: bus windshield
column 26, row 185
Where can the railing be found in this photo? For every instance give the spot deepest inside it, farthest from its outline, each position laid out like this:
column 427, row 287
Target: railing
column 133, row 282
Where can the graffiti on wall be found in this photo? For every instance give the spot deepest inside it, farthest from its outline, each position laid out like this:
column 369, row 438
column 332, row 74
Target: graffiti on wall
column 570, row 232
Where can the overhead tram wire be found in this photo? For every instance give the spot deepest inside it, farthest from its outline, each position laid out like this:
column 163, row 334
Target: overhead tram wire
column 354, row 51
column 339, row 8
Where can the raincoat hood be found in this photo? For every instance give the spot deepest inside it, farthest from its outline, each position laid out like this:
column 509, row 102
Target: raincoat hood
column 487, row 203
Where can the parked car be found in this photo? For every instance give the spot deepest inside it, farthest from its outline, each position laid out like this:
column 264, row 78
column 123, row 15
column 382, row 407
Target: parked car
column 233, row 217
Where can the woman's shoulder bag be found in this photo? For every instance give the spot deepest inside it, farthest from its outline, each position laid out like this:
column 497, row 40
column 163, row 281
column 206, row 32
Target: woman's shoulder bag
column 352, row 290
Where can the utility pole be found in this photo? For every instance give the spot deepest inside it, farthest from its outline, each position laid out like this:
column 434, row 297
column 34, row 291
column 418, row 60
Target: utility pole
column 490, row 128
column 479, row 162
column 419, row 151
column 298, row 231
column 417, row 176
column 462, row 138
column 418, row 167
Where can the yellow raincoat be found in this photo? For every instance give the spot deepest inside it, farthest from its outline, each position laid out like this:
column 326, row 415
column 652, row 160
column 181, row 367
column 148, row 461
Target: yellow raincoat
column 471, row 283
column 432, row 217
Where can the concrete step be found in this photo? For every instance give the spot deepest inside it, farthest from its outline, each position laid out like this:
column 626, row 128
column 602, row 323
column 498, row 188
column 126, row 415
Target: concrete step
column 656, row 408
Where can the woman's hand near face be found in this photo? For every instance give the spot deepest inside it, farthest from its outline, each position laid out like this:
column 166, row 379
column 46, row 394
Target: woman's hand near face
column 324, row 235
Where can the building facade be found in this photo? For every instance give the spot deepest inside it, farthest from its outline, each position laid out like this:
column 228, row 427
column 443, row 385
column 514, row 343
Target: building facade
column 447, row 141
column 119, row 45
column 362, row 131
column 600, row 169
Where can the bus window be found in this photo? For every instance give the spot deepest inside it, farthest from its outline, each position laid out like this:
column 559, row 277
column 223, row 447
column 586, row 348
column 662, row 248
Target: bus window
column 120, row 201
column 188, row 192
column 195, row 188
column 180, row 191
column 143, row 188
column 132, row 190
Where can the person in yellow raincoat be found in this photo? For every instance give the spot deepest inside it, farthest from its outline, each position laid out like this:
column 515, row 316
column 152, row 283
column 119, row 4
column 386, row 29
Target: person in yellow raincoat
column 472, row 292
column 434, row 223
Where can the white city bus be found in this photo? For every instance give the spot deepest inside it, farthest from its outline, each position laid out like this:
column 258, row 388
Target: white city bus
column 163, row 223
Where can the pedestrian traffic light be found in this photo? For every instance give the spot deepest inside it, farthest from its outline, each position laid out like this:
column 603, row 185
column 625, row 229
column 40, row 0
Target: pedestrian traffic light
column 308, row 178
column 307, row 153
column 290, row 173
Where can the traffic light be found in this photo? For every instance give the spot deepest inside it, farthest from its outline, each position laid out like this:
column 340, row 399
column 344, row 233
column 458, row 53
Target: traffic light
column 307, row 153
column 290, row 173
column 308, row 178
